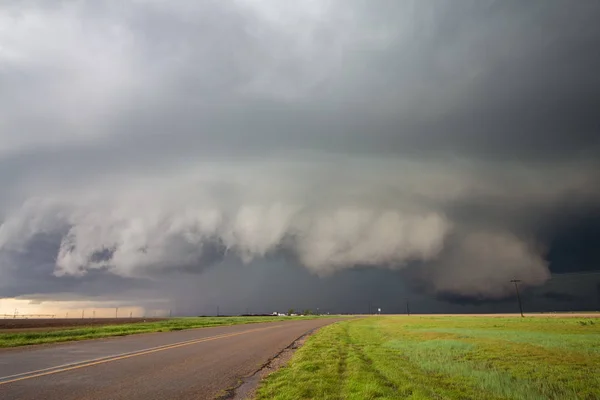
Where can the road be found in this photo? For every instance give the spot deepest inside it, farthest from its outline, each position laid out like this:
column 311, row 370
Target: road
column 191, row 364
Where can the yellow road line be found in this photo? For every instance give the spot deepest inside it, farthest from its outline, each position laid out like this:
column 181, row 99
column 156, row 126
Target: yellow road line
column 39, row 373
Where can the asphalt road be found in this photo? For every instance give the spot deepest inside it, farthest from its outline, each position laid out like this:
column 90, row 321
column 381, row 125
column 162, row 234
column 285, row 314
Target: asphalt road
column 192, row 364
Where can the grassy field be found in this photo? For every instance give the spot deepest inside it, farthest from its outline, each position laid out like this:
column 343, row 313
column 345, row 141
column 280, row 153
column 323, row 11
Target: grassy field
column 444, row 358
column 9, row 339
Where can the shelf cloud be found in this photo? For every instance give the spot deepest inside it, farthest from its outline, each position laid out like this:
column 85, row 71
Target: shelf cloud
column 444, row 140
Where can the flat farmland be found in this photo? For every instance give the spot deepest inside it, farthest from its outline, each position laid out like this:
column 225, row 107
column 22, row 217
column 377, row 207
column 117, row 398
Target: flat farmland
column 445, row 357
column 15, row 332
column 23, row 325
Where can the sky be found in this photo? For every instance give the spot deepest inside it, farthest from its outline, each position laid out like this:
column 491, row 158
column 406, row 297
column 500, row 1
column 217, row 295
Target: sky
column 261, row 155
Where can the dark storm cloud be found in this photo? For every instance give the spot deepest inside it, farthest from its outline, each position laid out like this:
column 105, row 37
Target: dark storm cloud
column 456, row 141
column 564, row 297
column 36, row 264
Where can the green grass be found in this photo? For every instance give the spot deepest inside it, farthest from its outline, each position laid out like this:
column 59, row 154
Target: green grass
column 93, row 332
column 444, row 358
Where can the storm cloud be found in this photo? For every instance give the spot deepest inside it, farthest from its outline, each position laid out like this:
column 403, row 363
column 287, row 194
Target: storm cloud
column 145, row 140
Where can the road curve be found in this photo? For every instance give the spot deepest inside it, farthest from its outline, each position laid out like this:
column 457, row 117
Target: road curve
column 192, row 364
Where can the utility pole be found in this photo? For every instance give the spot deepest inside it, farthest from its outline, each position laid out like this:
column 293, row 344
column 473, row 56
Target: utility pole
column 407, row 308
column 516, row 282
column 116, row 312
column 94, row 314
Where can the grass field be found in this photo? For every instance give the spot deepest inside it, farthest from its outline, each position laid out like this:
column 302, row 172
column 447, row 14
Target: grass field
column 444, row 358
column 13, row 339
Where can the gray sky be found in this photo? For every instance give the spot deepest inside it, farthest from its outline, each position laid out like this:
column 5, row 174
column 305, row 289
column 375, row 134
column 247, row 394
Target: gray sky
column 444, row 146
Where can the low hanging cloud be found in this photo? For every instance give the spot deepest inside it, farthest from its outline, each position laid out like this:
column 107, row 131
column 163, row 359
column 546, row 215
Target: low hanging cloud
column 188, row 224
column 440, row 139
column 339, row 221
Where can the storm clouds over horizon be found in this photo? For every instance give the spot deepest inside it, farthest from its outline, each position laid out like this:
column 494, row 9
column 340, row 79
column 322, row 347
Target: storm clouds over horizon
column 145, row 146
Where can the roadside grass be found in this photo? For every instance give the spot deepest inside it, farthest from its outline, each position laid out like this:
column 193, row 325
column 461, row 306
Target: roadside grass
column 94, row 332
column 444, row 357
column 586, row 343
